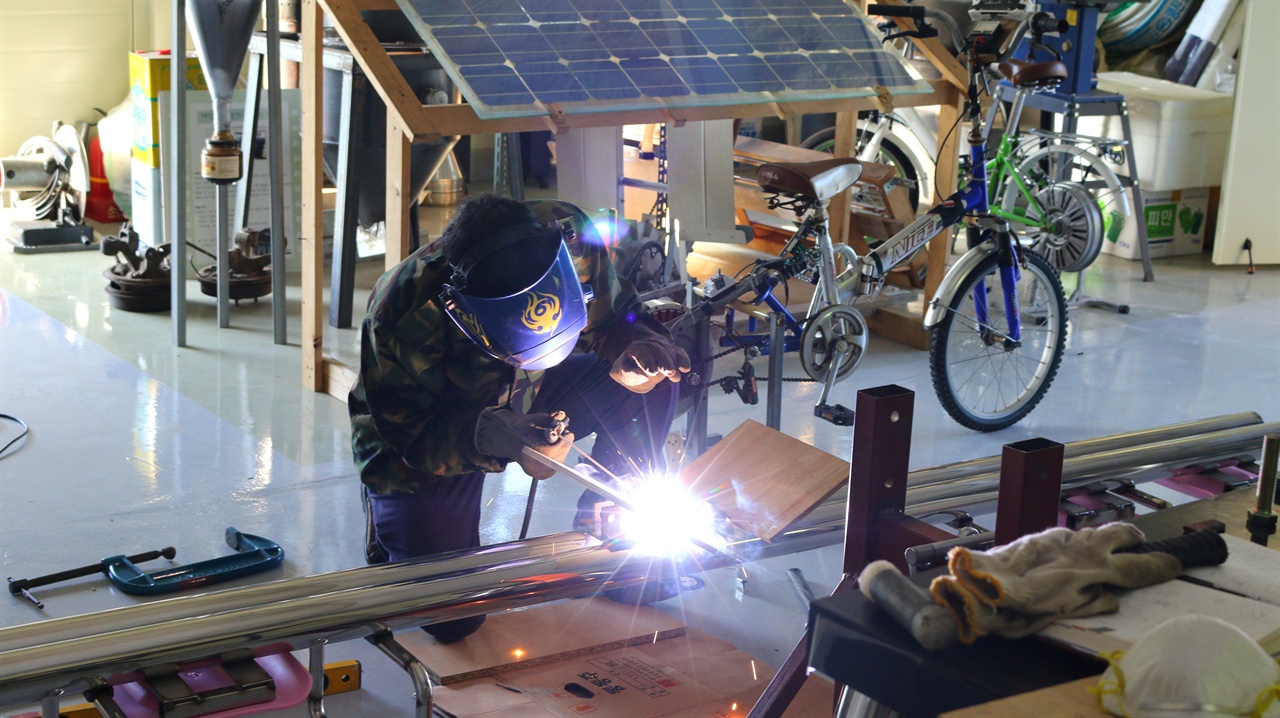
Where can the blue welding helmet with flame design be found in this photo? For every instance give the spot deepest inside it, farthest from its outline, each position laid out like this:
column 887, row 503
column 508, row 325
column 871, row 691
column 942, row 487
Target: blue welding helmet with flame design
column 534, row 328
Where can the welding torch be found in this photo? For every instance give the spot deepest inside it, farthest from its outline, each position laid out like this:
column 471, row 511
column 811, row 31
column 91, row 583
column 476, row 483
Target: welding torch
column 601, row 488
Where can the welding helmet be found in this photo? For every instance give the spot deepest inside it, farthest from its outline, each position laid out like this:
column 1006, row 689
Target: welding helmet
column 534, row 327
column 1191, row 666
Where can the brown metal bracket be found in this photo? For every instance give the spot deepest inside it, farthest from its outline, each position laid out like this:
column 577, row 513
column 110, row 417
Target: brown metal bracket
column 1030, row 484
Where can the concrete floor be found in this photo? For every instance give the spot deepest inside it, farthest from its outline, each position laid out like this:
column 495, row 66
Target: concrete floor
column 136, row 444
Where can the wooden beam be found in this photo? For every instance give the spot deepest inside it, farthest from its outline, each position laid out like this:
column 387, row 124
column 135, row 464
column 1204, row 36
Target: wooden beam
column 338, row 378
column 399, row 203
column 937, row 53
column 462, row 119
column 311, row 239
column 838, row 210
column 383, row 74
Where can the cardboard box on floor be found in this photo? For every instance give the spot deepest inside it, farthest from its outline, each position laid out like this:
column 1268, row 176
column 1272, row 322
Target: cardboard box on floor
column 1176, row 225
column 689, row 676
column 541, row 634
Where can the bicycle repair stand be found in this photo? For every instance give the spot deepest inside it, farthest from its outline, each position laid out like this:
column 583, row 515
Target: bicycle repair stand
column 1077, row 97
column 696, row 426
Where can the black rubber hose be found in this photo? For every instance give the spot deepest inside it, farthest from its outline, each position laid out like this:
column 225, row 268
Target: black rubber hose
column 1205, row 547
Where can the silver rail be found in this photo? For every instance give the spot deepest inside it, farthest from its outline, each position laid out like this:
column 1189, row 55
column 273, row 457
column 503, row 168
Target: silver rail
column 170, row 609
column 973, row 467
column 583, row 567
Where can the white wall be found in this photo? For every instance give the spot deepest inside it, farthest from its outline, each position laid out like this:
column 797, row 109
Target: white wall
column 59, row 59
column 1251, row 183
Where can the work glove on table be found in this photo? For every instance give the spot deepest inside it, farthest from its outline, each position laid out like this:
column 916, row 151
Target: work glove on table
column 1017, row 589
column 642, row 354
column 505, row 433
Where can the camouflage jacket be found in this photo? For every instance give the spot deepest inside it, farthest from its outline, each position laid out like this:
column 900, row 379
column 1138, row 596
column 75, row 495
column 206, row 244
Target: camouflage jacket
column 422, row 383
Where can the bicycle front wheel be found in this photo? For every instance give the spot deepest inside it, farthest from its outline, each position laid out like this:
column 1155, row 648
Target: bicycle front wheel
column 986, row 380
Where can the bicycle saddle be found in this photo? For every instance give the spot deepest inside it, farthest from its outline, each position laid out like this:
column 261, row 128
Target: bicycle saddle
column 820, row 180
column 1034, row 75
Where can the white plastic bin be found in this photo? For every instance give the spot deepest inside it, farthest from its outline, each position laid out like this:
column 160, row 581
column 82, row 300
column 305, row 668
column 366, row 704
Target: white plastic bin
column 1180, row 133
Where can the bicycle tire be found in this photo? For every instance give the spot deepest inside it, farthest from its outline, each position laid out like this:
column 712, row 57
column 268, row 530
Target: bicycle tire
column 891, row 154
column 1067, row 163
column 982, row 384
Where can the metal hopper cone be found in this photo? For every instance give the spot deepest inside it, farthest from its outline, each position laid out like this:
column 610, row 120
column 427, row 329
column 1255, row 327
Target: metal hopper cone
column 221, row 30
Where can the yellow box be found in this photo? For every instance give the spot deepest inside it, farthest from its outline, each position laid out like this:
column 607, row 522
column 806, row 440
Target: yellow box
column 148, row 77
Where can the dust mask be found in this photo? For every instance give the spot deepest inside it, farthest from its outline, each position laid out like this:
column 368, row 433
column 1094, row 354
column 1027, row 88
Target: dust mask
column 1191, row 666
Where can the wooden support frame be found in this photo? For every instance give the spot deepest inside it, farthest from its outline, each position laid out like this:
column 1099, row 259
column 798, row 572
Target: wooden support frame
column 311, row 235
column 409, row 119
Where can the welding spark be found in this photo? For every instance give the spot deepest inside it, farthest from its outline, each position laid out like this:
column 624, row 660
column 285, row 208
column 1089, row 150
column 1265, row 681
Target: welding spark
column 754, row 677
column 666, row 518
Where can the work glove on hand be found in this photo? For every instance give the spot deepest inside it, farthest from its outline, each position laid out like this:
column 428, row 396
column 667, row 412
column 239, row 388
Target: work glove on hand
column 642, row 354
column 1016, row 590
column 505, row 433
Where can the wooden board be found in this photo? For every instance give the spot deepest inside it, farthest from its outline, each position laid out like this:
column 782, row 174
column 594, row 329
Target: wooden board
column 542, row 634
column 1067, row 699
column 764, row 480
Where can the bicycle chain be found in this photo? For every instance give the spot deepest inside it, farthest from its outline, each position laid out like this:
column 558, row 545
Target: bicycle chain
column 726, row 379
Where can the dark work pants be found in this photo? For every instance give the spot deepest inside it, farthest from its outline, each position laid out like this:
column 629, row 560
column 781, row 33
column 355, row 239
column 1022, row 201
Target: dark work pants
column 444, row 514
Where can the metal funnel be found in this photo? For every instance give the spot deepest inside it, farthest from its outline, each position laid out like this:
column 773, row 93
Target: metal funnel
column 221, row 30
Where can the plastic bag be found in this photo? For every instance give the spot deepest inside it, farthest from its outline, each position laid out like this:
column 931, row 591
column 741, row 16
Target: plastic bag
column 115, row 134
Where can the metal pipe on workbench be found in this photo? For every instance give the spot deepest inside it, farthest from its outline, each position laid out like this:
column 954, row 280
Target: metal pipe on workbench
column 145, row 614
column 1142, row 462
column 581, row 567
column 973, row 467
column 1148, row 462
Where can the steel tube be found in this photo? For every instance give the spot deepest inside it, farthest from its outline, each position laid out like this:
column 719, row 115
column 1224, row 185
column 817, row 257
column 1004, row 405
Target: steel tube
column 1139, row 463
column 222, row 244
column 145, row 614
column 175, row 189
column 1172, row 453
column 275, row 161
column 973, row 467
column 28, row 674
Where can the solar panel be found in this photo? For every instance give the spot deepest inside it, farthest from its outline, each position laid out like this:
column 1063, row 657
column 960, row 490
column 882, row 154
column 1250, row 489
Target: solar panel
column 514, row 58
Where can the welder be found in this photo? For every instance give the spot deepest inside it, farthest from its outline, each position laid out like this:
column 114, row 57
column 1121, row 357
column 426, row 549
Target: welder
column 488, row 341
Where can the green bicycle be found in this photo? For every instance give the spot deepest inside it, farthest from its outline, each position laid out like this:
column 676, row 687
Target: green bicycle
column 1063, row 195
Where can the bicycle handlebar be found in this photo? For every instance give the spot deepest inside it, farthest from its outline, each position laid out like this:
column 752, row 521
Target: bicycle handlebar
column 919, row 13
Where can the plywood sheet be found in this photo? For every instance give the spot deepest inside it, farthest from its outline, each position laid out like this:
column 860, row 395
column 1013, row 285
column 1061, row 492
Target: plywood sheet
column 762, row 479
column 542, row 634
